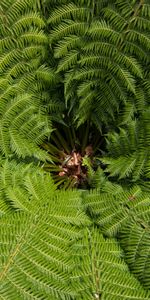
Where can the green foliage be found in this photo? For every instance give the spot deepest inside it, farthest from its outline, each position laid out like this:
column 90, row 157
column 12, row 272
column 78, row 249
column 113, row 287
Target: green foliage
column 106, row 274
column 125, row 216
column 46, row 225
column 12, row 176
column 128, row 150
column 51, row 250
column 79, row 64
column 23, row 127
column 24, row 79
column 102, row 53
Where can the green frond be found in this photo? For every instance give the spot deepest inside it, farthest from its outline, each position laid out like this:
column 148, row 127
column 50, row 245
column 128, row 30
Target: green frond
column 32, row 51
column 16, row 70
column 68, row 11
column 123, row 166
column 21, row 123
column 141, row 23
column 46, row 75
column 146, row 10
column 112, row 212
column 6, row 43
column 126, row 78
column 68, row 62
column 105, row 273
column 68, row 27
column 26, row 21
column 114, row 17
column 128, row 151
column 126, row 216
column 17, row 7
column 46, row 228
column 108, row 43
column 9, row 58
column 68, row 43
column 45, row 252
column 12, row 176
column 74, row 220
column 127, row 114
column 139, row 36
column 102, row 29
column 34, row 36
column 133, row 236
column 23, row 41
column 136, row 50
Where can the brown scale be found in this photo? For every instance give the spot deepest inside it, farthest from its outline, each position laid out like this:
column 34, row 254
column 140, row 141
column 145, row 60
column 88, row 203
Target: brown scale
column 72, row 164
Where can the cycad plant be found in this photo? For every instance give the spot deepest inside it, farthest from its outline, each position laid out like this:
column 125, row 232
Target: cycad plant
column 74, row 150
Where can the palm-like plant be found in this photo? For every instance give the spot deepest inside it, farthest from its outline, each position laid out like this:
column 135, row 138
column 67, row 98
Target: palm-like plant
column 74, row 113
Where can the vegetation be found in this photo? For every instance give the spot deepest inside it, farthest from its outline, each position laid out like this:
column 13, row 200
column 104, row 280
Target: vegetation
column 75, row 149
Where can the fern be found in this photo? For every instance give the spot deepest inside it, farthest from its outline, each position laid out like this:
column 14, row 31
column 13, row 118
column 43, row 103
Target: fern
column 106, row 274
column 107, row 56
column 19, row 116
column 46, row 269
column 51, row 249
column 133, row 236
column 128, row 151
column 23, row 125
column 125, row 215
column 75, row 75
column 12, row 174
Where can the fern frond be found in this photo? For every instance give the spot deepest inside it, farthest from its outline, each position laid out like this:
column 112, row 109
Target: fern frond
column 34, row 36
column 136, row 238
column 129, row 155
column 126, row 216
column 23, row 50
column 15, row 8
column 112, row 211
column 39, row 250
column 68, row 62
column 111, row 41
column 102, row 29
column 68, row 27
column 26, row 21
column 68, row 43
column 69, row 11
column 45, row 252
column 123, row 166
column 12, row 176
column 18, row 127
column 105, row 273
column 75, row 61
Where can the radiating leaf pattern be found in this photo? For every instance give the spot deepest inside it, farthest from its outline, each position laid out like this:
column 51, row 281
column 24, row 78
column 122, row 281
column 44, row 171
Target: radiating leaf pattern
column 81, row 67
